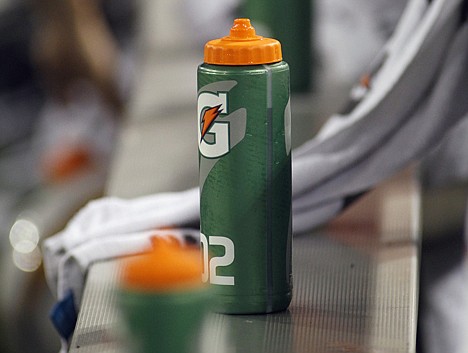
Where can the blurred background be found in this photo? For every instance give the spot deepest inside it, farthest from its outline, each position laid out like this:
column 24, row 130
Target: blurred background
column 84, row 82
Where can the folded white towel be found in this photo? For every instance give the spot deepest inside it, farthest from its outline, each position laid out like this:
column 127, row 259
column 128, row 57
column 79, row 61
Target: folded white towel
column 75, row 263
column 117, row 218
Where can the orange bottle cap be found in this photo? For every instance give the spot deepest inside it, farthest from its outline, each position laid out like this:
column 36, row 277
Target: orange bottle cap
column 242, row 47
column 168, row 266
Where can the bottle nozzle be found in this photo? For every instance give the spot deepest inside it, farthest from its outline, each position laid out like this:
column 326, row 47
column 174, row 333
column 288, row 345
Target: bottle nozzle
column 242, row 29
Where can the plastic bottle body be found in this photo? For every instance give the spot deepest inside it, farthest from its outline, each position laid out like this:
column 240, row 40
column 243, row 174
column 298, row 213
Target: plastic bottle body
column 245, row 185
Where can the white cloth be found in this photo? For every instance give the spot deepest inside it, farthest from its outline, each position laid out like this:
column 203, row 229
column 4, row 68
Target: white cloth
column 415, row 98
column 111, row 227
column 76, row 261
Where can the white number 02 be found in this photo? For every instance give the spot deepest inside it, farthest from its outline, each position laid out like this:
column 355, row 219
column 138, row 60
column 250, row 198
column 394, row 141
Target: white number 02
column 210, row 265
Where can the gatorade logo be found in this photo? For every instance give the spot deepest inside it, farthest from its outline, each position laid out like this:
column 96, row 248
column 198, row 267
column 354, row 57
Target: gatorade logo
column 213, row 133
column 220, row 126
column 209, row 116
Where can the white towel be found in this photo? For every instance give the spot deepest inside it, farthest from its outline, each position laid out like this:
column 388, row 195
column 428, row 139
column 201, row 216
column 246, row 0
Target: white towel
column 415, row 99
column 74, row 264
column 122, row 220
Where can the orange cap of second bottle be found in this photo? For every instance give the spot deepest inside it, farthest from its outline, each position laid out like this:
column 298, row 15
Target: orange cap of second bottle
column 167, row 266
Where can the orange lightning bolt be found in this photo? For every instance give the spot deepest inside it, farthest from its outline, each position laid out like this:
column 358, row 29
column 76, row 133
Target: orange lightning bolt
column 209, row 116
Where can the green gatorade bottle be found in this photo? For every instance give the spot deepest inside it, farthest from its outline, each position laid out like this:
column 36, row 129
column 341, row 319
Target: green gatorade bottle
column 244, row 136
